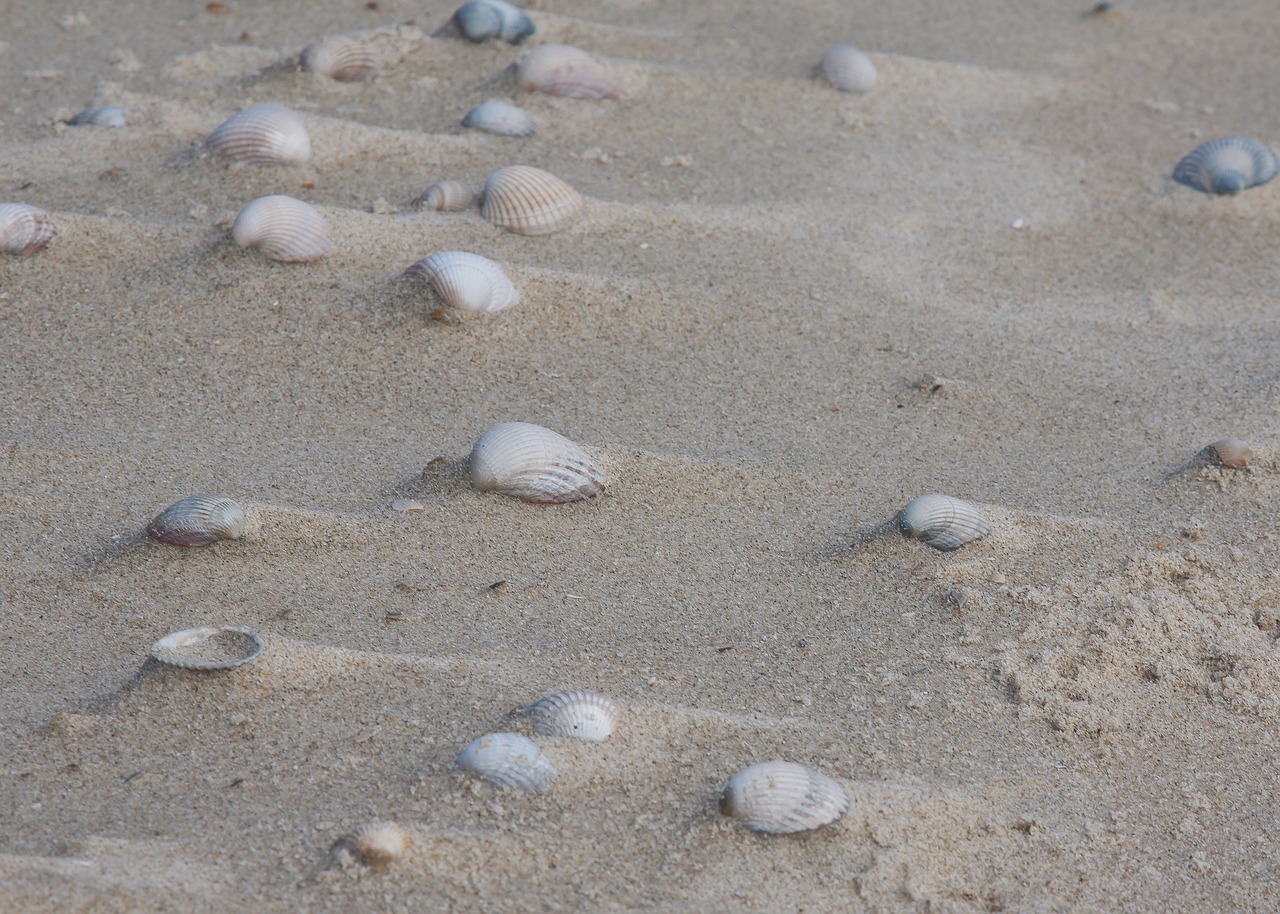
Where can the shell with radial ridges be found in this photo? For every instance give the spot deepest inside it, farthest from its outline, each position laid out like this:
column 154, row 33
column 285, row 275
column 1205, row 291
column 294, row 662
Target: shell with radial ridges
column 198, row 520
column 534, row 464
column 780, row 798
column 24, row 229
column 848, row 69
column 450, row 196
column 466, row 281
column 209, row 647
column 529, row 201
column 1227, row 166
column 375, row 844
column 943, row 522
column 340, row 57
column 508, row 761
column 500, row 119
column 480, row 20
column 560, row 69
column 578, row 714
column 99, row 116
column 1232, row 453
column 283, row 228
column 267, row 134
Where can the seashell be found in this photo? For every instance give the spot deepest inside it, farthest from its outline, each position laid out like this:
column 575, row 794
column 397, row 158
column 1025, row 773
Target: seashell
column 282, row 228
column 535, row 464
column 1227, row 166
column 848, row 69
column 450, row 196
column 268, row 134
column 500, row 118
column 24, row 229
column 339, row 57
column 466, row 281
column 210, row 647
column 783, row 797
column 198, row 520
column 529, row 201
column 583, row 715
column 1231, row 453
column 374, row 844
column 481, row 20
column 99, row 116
column 508, row 760
column 558, row 69
column 943, row 522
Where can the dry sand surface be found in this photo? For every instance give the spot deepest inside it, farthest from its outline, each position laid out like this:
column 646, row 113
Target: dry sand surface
column 785, row 312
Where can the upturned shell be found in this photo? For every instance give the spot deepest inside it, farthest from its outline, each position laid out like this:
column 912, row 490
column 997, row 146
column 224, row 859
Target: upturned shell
column 480, row 20
column 500, row 118
column 535, row 464
column 582, row 715
column 466, row 281
column 558, row 69
column 339, row 57
column 450, row 196
column 99, row 116
column 783, row 797
column 283, row 228
column 268, row 134
column 943, row 522
column 529, row 201
column 198, row 520
column 210, row 647
column 1227, row 166
column 508, row 760
column 375, row 844
column 1232, row 453
column 848, row 69
column 24, row 229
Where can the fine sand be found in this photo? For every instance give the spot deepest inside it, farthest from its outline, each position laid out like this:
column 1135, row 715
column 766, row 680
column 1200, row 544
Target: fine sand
column 785, row 312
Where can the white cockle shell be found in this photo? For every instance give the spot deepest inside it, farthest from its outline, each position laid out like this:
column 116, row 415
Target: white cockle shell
column 480, row 20
column 943, row 522
column 848, row 69
column 535, row 464
column 450, row 196
column 508, row 761
column 339, row 57
column 267, row 134
column 529, row 201
column 24, row 229
column 1227, row 166
column 209, row 647
column 501, row 119
column 198, row 520
column 99, row 116
column 283, row 228
column 466, row 281
column 559, row 69
column 374, row 844
column 579, row 714
column 783, row 797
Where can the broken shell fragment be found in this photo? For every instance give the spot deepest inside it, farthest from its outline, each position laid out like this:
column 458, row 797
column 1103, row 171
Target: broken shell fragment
column 210, row 647
column 501, row 119
column 1232, row 453
column 99, row 116
column 198, row 520
column 943, row 522
column 480, row 20
column 508, row 761
column 579, row 714
column 529, row 201
column 466, row 281
column 24, row 229
column 283, row 228
column 780, row 798
column 450, row 196
column 559, row 69
column 339, row 57
column 267, row 134
column 535, row 464
column 848, row 69
column 1227, row 166
column 375, row 844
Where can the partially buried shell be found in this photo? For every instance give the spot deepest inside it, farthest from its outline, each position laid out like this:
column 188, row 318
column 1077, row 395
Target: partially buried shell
column 943, row 522
column 583, row 715
column 339, row 57
column 466, row 281
column 210, row 647
column 268, row 134
column 1232, row 453
column 529, row 201
column 24, row 229
column 198, row 520
column 1227, row 166
column 500, row 118
column 99, row 116
column 559, row 69
column 533, row 463
column 848, row 69
column 450, row 196
column 783, row 797
column 480, row 20
column 374, row 844
column 508, row 761
column 283, row 228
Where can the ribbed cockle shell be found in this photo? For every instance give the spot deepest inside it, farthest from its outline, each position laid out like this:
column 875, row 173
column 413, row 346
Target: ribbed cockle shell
column 529, row 201
column 99, row 116
column 210, row 647
column 559, row 69
column 24, row 229
column 283, row 228
column 943, row 522
column 339, row 57
column 783, row 797
column 480, row 20
column 268, row 134
column 198, row 520
column 1232, row 453
column 508, row 761
column 1227, row 166
column 501, row 119
column 534, row 464
column 848, row 69
column 374, row 844
column 450, row 196
column 466, row 281
column 579, row 714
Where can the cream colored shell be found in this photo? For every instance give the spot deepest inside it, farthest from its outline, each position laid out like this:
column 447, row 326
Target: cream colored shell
column 267, row 134
column 559, row 69
column 283, row 228
column 374, row 844
column 24, row 229
column 943, row 522
column 529, row 201
column 450, row 196
column 578, row 714
column 198, row 520
column 535, row 464
column 780, row 798
column 1232, row 453
column 508, row 761
column 466, row 281
column 339, row 57
column 209, row 647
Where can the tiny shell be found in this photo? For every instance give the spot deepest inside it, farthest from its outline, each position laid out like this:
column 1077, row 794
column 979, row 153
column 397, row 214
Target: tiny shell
column 529, row 201
column 375, row 844
column 198, row 520
column 558, row 69
column 24, row 229
column 339, row 57
column 508, row 760
column 943, row 522
column 480, row 20
column 466, row 281
column 99, row 116
column 268, row 134
column 583, row 715
column 1227, row 166
column 848, row 69
column 450, row 196
column 783, row 797
column 1232, row 453
column 283, row 228
column 210, row 647
column 500, row 118
column 535, row 464
column 406, row 505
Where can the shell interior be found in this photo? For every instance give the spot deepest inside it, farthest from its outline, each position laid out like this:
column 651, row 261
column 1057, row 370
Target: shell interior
column 198, row 520
column 209, row 647
column 535, row 464
column 559, row 69
column 529, row 201
column 283, row 228
column 943, row 522
column 24, row 229
column 1227, row 166
column 466, row 281
column 780, row 797
column 501, row 119
column 508, row 761
column 267, row 134
column 578, row 714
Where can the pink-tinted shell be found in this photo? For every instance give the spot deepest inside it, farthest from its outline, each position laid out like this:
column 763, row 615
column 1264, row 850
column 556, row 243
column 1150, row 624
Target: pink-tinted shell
column 198, row 520
column 529, row 201
column 558, row 69
column 339, row 57
column 450, row 196
column 267, row 134
column 283, row 228
column 24, row 229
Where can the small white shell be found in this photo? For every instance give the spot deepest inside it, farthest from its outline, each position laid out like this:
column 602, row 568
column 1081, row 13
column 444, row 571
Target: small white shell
column 268, row 134
column 1232, row 453
column 533, row 463
column 339, row 57
column 943, row 522
column 1227, row 166
column 508, row 760
column 24, row 229
column 559, row 69
column 501, row 119
column 848, row 69
column 466, row 281
column 480, row 20
column 99, row 116
column 198, row 520
column 783, row 797
column 210, row 647
column 583, row 715
column 283, row 228
column 529, row 201
column 450, row 196
column 375, row 844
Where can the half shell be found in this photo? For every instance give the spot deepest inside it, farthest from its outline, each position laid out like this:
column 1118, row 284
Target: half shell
column 210, row 647
column 99, row 116
column 283, row 228
column 582, row 715
column 480, row 20
column 508, row 761
column 466, row 281
column 943, row 522
column 450, row 196
column 529, row 201
column 198, row 520
column 24, row 229
column 783, row 797
column 1232, row 453
column 501, row 119
column 1227, row 166
column 268, row 134
column 535, row 464
column 339, row 57
column 559, row 69
column 374, row 844
column 848, row 69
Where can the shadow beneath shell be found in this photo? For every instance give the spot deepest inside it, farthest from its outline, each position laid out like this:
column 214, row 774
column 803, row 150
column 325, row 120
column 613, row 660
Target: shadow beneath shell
column 441, row 476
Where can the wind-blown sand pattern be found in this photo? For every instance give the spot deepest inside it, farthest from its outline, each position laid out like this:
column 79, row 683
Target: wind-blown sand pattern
column 783, row 312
